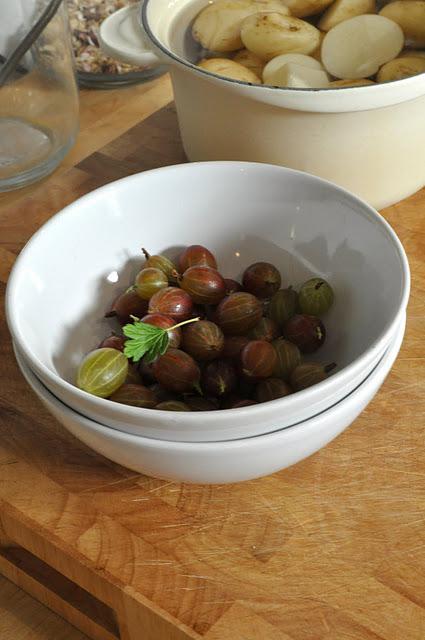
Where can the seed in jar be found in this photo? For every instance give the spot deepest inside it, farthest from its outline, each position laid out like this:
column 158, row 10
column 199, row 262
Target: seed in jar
column 229, row 69
column 271, row 34
column 86, row 17
column 401, row 68
column 357, row 47
column 218, row 26
column 341, row 10
column 410, row 16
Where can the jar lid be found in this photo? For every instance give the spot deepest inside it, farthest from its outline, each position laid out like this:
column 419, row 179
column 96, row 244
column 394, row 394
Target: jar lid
column 122, row 37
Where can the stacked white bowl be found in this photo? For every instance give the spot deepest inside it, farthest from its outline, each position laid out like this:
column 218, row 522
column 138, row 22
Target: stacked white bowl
column 74, row 267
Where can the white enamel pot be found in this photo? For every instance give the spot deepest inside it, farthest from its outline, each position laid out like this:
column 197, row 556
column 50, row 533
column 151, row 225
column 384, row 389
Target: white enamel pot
column 368, row 139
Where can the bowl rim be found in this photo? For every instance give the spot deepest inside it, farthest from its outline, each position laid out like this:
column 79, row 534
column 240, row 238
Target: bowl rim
column 325, row 386
column 310, row 423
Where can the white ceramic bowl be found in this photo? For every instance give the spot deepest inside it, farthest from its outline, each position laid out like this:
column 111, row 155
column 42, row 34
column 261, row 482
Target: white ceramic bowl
column 76, row 264
column 220, row 462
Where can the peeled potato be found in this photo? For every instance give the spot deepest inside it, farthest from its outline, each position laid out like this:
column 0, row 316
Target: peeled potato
column 343, row 10
column 270, row 34
column 274, row 71
column 217, row 27
column 304, row 8
column 250, row 61
column 229, row 69
column 317, row 53
column 410, row 15
column 294, row 75
column 351, row 83
column 357, row 47
column 401, row 68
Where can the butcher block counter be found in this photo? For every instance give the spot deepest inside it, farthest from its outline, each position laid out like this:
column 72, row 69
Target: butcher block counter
column 330, row 549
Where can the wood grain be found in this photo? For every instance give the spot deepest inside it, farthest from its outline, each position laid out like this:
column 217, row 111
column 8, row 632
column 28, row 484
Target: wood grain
column 330, row 549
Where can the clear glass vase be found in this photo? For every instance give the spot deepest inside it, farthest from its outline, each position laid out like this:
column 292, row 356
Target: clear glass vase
column 39, row 101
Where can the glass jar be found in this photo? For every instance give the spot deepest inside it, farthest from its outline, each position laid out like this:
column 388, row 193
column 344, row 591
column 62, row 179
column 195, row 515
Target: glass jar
column 94, row 68
column 39, row 102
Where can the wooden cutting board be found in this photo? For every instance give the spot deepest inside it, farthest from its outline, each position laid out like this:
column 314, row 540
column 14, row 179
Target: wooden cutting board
column 330, row 549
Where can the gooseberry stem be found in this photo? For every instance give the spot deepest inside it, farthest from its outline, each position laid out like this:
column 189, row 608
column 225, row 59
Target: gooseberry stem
column 176, row 275
column 180, row 324
column 328, row 368
column 145, row 253
column 131, row 289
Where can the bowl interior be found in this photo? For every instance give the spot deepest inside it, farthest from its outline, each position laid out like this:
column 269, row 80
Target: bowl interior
column 74, row 267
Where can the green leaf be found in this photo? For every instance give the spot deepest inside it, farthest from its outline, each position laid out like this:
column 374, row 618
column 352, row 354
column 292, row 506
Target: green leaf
column 159, row 347
column 141, row 330
column 145, row 340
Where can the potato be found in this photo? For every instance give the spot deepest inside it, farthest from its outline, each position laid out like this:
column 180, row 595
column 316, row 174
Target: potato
column 410, row 15
column 317, row 53
column 412, row 53
column 229, row 69
column 274, row 70
column 357, row 47
column 217, row 27
column 270, row 34
column 250, row 61
column 343, row 10
column 304, row 8
column 401, row 68
column 294, row 75
column 360, row 82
